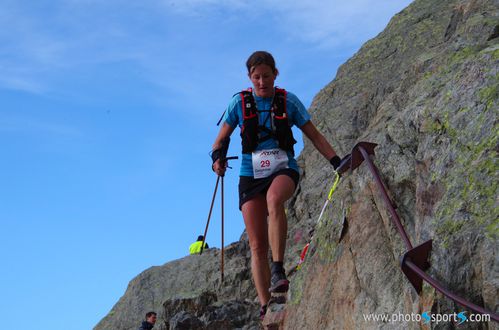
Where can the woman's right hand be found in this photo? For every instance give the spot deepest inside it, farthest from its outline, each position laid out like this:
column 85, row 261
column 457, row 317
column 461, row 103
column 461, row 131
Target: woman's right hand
column 218, row 168
column 224, row 134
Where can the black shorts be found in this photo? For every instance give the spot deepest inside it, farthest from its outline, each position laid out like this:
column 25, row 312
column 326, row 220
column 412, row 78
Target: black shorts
column 250, row 187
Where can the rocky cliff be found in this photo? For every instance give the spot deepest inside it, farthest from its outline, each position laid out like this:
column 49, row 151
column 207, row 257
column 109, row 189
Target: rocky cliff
column 187, row 294
column 426, row 91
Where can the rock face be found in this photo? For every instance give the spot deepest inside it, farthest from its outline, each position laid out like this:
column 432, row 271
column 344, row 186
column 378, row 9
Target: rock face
column 426, row 91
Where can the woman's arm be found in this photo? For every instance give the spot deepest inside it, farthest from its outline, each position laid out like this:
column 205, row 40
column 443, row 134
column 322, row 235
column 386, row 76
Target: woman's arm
column 318, row 140
column 224, row 133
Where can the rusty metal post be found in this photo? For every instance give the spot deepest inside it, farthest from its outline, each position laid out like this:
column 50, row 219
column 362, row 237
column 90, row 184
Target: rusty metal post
column 449, row 294
column 419, row 256
column 387, row 200
column 415, row 261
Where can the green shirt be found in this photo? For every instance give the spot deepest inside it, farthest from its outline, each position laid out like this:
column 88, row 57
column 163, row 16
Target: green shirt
column 195, row 247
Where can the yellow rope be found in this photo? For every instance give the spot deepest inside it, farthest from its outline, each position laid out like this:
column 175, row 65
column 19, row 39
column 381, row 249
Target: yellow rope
column 330, row 196
column 335, row 184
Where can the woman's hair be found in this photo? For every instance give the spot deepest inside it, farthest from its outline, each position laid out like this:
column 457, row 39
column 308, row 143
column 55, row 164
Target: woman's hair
column 260, row 57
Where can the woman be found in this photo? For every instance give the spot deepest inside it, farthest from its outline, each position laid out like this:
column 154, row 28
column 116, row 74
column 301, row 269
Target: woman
column 269, row 172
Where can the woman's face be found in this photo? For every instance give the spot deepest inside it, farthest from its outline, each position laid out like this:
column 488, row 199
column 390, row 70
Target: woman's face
column 263, row 79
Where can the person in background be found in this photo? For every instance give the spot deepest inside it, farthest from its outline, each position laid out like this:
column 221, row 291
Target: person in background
column 269, row 171
column 195, row 247
column 148, row 324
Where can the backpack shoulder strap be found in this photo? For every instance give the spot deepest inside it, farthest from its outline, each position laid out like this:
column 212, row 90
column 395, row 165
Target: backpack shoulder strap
column 248, row 104
column 279, row 106
column 245, row 94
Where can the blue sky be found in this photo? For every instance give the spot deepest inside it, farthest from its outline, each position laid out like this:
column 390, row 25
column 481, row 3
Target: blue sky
column 107, row 115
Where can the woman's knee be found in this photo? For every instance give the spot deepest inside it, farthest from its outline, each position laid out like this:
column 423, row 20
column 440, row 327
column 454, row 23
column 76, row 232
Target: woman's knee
column 274, row 199
column 280, row 191
column 275, row 204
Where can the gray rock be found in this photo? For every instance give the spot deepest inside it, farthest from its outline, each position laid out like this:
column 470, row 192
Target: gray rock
column 426, row 90
column 190, row 281
column 185, row 321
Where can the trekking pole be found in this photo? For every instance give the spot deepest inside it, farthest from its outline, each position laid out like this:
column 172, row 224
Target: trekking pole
column 222, row 157
column 222, row 198
column 209, row 215
column 222, row 211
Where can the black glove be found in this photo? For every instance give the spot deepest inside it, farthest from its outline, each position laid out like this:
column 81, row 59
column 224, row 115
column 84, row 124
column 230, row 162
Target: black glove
column 338, row 162
column 215, row 154
column 221, row 153
column 335, row 161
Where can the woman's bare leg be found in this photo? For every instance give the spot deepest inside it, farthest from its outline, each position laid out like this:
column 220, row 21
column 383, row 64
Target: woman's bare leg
column 255, row 220
column 281, row 189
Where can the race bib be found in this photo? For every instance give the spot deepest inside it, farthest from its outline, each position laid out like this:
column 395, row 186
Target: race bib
column 267, row 162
